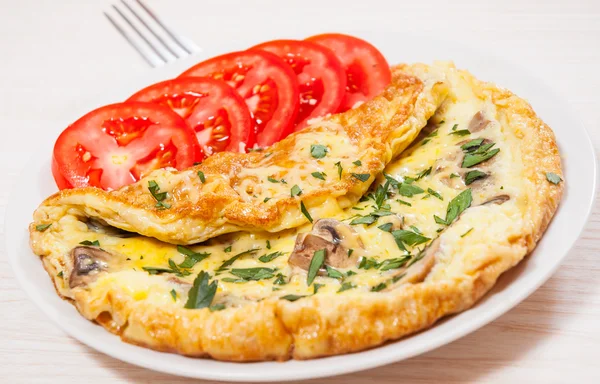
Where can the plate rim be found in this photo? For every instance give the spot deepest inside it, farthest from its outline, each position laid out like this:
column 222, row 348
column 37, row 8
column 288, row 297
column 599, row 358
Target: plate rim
column 462, row 329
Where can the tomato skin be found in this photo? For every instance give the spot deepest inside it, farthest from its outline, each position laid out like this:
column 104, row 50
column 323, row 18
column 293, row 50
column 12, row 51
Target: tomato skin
column 265, row 82
column 201, row 101
column 321, row 76
column 368, row 72
column 117, row 144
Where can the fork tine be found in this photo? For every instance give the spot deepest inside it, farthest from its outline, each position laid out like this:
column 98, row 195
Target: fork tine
column 129, row 40
column 156, row 35
column 140, row 34
column 167, row 30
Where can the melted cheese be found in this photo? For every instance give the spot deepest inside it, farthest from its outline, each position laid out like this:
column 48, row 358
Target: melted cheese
column 440, row 152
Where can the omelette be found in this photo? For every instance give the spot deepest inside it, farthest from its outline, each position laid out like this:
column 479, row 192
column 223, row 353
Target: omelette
column 364, row 227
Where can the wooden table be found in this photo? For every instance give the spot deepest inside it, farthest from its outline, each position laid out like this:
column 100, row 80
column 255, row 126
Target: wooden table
column 54, row 51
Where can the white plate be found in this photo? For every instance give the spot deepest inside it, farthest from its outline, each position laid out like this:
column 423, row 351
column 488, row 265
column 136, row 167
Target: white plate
column 579, row 164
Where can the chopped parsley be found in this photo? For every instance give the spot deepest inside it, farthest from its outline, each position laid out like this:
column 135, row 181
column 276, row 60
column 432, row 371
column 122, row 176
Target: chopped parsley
column 472, row 176
column 466, row 233
column 435, row 193
column 453, row 175
column 255, row 274
column 340, row 169
column 334, row 273
column 292, row 297
column 42, row 227
column 230, row 261
column 361, row 176
column 358, row 163
column 368, row 220
column 296, row 191
column 60, row 274
column 217, row 307
column 315, row 264
column 202, row 177
column 462, row 132
column 387, row 227
column 409, row 190
column 316, row 287
column 269, row 257
column 202, row 293
column 423, row 173
column 158, row 196
column 404, row 202
column 318, row 151
column 553, row 178
column 456, row 206
column 379, row 287
column 268, row 244
column 266, row 199
column 279, row 280
column 346, row 286
column 174, row 294
column 227, row 250
column 428, row 138
column 471, row 144
column 191, row 257
column 273, row 180
column 94, row 243
column 319, row 175
column 305, row 212
column 404, row 237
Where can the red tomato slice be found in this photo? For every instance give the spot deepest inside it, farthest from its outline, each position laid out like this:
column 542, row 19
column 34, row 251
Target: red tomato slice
column 118, row 144
column 321, row 76
column 213, row 109
column 265, row 82
column 367, row 71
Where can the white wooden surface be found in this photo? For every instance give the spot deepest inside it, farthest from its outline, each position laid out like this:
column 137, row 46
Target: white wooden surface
column 53, row 52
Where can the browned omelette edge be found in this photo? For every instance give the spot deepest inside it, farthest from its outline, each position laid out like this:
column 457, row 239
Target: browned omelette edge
column 325, row 325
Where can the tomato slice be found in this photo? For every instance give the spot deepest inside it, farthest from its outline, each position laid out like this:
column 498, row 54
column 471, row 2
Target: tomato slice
column 321, row 76
column 118, row 144
column 367, row 71
column 213, row 109
column 265, row 82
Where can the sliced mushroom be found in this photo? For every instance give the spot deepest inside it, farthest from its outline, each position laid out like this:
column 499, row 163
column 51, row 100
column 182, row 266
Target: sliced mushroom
column 88, row 262
column 500, row 199
column 341, row 242
column 418, row 271
column 478, row 122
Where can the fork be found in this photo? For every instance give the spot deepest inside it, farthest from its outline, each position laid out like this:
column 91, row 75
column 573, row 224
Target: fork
column 156, row 43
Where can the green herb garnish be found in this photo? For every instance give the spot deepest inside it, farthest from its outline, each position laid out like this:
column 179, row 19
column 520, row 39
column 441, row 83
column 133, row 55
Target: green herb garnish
column 379, row 287
column 318, row 151
column 435, row 193
column 227, row 250
column 266, row 199
column 466, row 233
column 409, row 190
column 456, row 206
column 94, row 243
column 315, row 264
column 279, row 279
column 387, row 227
column 42, row 227
column 292, row 297
column 358, row 163
column 471, row 176
column 471, row 144
column 273, row 180
column 368, row 220
column 361, row 176
column 404, row 202
column 60, row 274
column 268, row 244
column 253, row 273
column 269, row 257
column 202, row 293
column 316, row 287
column 296, row 191
column 333, row 273
column 174, row 294
column 217, row 307
column 305, row 212
column 340, row 169
column 230, row 261
column 462, row 132
column 346, row 286
column 158, row 196
column 202, row 177
column 319, row 175
column 191, row 257
column 472, row 159
column 553, row 178
column 404, row 237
